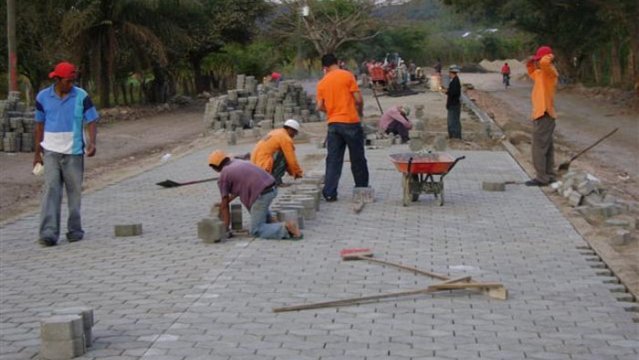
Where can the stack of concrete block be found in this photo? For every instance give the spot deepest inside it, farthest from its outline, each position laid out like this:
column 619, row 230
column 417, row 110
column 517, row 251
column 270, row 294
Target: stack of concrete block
column 236, row 216
column 63, row 336
column 589, row 197
column 17, row 126
column 249, row 105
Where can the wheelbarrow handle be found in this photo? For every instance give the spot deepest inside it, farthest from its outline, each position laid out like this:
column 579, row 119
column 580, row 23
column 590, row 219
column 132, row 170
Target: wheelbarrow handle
column 410, row 164
column 455, row 162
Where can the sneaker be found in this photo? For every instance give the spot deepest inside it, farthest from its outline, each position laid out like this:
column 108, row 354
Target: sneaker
column 45, row 242
column 535, row 182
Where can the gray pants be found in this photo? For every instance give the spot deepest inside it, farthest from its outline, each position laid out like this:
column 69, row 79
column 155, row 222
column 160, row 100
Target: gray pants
column 261, row 225
column 454, row 125
column 61, row 169
column 543, row 152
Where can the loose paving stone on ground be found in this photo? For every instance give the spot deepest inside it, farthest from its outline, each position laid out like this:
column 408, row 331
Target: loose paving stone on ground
column 167, row 295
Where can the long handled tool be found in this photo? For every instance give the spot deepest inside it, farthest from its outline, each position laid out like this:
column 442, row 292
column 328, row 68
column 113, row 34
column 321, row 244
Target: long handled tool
column 171, row 184
column 495, row 292
column 376, row 99
column 365, row 299
column 566, row 165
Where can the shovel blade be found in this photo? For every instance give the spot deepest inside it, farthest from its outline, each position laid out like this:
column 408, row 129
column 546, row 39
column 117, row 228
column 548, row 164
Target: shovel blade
column 168, row 184
column 564, row 166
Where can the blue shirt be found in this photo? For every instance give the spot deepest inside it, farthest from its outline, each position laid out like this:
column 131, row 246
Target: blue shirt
column 64, row 119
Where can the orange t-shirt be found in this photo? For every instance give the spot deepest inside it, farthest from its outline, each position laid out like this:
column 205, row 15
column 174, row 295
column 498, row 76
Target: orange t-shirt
column 543, row 91
column 276, row 140
column 336, row 90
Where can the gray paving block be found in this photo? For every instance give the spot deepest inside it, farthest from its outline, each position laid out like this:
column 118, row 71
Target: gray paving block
column 493, row 186
column 62, row 349
column 61, row 327
column 128, row 230
column 211, row 230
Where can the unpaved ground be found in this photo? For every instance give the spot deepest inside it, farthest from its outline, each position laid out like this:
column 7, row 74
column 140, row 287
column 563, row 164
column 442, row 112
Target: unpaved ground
column 123, row 147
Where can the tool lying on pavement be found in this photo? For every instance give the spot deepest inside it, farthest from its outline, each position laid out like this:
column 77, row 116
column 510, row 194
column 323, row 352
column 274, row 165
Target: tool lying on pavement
column 566, row 165
column 492, row 289
column 171, row 184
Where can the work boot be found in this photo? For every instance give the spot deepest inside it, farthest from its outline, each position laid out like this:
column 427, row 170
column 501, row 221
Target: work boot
column 46, row 242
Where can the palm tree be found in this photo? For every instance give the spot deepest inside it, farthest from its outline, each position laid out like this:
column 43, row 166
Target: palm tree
column 99, row 30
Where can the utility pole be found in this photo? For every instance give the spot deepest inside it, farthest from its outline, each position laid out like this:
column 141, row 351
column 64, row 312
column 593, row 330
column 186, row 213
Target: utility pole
column 11, row 41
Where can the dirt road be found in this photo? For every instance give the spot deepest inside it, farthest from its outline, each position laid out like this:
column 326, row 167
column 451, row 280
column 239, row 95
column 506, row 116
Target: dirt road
column 121, row 145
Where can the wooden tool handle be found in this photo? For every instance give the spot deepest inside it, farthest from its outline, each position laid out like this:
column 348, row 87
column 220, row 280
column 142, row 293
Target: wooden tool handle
column 361, row 299
column 409, row 268
column 466, row 286
column 350, row 301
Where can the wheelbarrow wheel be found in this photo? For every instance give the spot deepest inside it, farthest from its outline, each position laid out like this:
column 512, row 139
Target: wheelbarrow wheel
column 415, row 192
column 407, row 195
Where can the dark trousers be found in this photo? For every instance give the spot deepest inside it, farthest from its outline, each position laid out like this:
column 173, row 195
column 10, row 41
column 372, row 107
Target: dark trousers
column 543, row 151
column 340, row 136
column 397, row 128
column 279, row 167
column 454, row 125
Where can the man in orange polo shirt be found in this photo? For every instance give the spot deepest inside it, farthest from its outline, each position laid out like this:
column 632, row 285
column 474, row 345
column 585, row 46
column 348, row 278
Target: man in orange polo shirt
column 339, row 97
column 275, row 153
column 544, row 75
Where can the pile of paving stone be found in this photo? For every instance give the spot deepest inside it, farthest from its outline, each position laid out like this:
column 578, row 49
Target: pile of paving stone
column 267, row 106
column 17, row 126
column 591, row 199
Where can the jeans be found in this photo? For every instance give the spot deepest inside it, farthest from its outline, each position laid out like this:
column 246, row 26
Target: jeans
column 279, row 167
column 340, row 136
column 454, row 125
column 543, row 151
column 61, row 169
column 397, row 128
column 261, row 217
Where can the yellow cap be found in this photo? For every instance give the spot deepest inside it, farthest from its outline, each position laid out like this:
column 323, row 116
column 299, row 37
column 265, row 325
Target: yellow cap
column 216, row 157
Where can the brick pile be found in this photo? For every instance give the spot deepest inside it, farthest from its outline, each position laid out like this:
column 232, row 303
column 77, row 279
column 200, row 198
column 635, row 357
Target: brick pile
column 17, row 126
column 266, row 106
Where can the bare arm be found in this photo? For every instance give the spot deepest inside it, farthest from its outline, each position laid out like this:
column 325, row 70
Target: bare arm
column 320, row 106
column 92, row 128
column 225, row 213
column 38, row 135
column 359, row 102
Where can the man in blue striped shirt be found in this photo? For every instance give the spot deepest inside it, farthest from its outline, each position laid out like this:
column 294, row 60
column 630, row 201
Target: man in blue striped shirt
column 62, row 113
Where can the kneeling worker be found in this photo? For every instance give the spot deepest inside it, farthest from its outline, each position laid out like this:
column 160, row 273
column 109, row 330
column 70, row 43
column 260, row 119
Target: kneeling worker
column 256, row 189
column 275, row 153
column 395, row 121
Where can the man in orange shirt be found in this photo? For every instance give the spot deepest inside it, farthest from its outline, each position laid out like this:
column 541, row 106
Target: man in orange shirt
column 544, row 75
column 339, row 97
column 275, row 153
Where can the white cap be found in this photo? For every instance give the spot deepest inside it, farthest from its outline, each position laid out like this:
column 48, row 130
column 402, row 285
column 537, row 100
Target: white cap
column 293, row 124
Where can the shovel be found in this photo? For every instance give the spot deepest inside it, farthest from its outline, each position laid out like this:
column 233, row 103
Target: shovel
column 171, row 184
column 566, row 165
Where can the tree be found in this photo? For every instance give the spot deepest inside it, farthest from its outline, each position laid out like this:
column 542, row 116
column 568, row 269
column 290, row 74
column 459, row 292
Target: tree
column 100, row 29
column 329, row 24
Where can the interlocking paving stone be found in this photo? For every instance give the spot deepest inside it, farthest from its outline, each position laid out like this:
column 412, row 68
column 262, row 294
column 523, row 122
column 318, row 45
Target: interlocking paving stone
column 167, row 295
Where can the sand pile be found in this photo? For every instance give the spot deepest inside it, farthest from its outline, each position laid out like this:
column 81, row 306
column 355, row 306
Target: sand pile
column 516, row 66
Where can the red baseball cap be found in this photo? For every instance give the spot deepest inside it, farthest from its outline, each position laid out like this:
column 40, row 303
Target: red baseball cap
column 63, row 70
column 541, row 52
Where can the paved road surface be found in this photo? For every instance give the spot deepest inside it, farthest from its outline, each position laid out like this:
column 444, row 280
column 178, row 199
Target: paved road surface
column 166, row 295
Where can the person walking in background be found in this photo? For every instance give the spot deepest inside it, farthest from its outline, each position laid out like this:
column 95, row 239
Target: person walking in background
column 62, row 112
column 339, row 97
column 395, row 121
column 505, row 74
column 453, row 104
column 438, row 67
column 256, row 190
column 544, row 75
column 275, row 153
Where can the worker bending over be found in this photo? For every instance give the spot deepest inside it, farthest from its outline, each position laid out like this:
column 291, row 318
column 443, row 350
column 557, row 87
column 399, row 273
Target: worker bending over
column 395, row 121
column 256, row 190
column 275, row 153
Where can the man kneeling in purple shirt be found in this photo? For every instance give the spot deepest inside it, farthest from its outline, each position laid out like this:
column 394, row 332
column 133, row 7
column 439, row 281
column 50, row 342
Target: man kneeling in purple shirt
column 256, row 189
column 395, row 121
